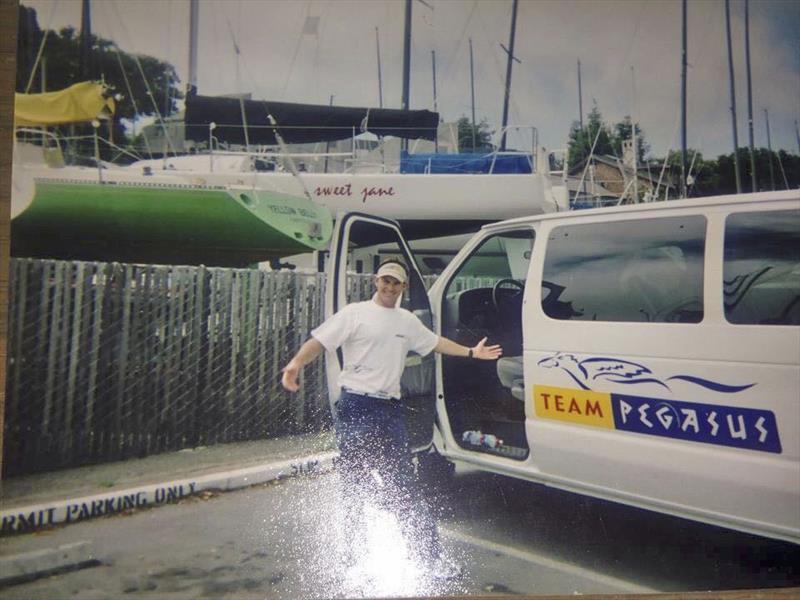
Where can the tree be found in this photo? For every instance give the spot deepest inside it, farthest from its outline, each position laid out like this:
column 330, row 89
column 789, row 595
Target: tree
column 60, row 64
column 623, row 131
column 581, row 140
column 718, row 177
column 482, row 136
column 609, row 138
column 703, row 175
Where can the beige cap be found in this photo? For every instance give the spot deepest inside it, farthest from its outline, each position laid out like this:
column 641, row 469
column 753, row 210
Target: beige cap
column 393, row 269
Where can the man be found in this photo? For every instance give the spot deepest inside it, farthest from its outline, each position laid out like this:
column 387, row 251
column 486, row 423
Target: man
column 375, row 453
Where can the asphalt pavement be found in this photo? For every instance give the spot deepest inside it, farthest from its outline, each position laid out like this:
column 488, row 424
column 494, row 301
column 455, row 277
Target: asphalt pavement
column 41, row 501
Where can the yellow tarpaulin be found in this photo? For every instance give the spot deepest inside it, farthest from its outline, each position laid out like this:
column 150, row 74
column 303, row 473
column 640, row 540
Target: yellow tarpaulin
column 78, row 103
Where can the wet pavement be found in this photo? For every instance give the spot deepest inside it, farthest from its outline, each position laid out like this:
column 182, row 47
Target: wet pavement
column 286, row 538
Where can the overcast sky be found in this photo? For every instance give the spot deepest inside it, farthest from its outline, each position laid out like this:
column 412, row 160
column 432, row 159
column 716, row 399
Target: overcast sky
column 630, row 52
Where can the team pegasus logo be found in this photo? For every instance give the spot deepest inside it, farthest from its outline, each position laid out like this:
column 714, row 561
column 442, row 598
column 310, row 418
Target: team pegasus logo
column 737, row 426
column 590, row 370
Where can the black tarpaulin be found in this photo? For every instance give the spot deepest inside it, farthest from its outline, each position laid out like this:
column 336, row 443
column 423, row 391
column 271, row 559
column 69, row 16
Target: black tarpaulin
column 299, row 123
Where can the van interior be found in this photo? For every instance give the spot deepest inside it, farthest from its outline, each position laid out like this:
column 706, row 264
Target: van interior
column 485, row 400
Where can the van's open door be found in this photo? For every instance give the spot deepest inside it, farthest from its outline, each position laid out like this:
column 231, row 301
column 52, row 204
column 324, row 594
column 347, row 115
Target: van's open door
column 360, row 243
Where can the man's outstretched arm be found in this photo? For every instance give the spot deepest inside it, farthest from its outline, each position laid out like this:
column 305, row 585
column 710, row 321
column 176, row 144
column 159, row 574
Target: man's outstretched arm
column 480, row 350
column 307, row 353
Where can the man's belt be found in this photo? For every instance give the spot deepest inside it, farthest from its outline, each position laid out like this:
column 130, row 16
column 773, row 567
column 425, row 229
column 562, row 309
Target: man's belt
column 376, row 395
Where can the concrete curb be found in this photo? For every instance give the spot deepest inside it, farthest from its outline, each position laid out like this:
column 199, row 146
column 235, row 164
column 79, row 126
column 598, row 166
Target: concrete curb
column 30, row 565
column 24, row 519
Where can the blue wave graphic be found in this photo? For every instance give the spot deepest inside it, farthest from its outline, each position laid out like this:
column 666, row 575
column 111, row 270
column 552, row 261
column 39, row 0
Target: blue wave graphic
column 712, row 385
column 650, row 380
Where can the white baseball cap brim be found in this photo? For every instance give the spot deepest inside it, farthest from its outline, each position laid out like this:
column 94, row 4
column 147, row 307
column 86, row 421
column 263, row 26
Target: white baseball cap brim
column 393, row 270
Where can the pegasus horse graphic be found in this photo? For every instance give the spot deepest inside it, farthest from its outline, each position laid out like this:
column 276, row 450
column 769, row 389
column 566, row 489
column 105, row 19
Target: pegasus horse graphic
column 589, row 370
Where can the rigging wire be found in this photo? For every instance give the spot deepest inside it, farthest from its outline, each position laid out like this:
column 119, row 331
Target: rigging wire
column 498, row 66
column 41, row 47
column 168, row 75
column 450, row 59
column 241, row 62
column 238, row 74
column 133, row 99
column 780, row 164
column 159, row 117
column 296, row 50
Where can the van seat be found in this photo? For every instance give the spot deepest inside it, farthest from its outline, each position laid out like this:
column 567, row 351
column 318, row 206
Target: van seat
column 510, row 372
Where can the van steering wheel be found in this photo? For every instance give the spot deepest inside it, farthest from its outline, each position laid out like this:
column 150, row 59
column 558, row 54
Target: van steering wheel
column 496, row 295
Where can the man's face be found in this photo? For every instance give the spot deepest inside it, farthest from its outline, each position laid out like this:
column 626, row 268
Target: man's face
column 389, row 289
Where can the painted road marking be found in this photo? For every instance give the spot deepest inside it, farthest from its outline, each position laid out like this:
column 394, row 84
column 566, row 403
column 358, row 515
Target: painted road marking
column 544, row 561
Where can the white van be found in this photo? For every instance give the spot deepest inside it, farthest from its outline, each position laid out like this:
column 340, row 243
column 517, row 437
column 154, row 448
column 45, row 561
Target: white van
column 651, row 353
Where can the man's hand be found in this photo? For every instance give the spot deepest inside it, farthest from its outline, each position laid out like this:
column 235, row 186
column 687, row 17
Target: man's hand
column 290, row 374
column 308, row 352
column 484, row 352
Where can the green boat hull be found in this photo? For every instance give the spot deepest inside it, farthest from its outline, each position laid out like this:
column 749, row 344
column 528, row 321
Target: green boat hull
column 166, row 224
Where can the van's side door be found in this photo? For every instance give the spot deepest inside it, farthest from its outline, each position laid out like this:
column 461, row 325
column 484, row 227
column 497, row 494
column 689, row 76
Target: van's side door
column 360, row 243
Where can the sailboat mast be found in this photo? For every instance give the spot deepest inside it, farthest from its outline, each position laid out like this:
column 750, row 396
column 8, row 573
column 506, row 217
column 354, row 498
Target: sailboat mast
column 580, row 96
column 472, row 92
column 85, row 66
column 684, row 169
column 433, row 61
column 507, row 94
column 435, row 107
column 380, row 79
column 194, row 20
column 769, row 149
column 633, row 138
column 404, row 104
column 749, row 95
column 733, row 98
column 797, row 134
column 406, row 57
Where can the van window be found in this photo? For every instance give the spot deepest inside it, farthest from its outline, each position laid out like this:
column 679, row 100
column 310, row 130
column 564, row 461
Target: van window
column 371, row 245
column 761, row 269
column 648, row 270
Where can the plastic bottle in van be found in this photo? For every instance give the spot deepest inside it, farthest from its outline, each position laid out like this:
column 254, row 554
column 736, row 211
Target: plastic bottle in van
column 477, row 438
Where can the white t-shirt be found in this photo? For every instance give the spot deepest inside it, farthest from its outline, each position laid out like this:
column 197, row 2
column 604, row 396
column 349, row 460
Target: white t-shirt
column 375, row 341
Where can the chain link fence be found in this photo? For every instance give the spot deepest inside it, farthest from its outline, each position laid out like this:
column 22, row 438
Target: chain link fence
column 110, row 361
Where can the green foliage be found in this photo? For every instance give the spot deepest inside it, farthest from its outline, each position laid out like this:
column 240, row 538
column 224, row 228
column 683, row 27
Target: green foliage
column 482, row 140
column 609, row 138
column 622, row 131
column 717, row 177
column 62, row 68
column 706, row 177
column 703, row 174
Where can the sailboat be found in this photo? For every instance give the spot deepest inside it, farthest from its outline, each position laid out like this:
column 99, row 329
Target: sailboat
column 430, row 194
column 109, row 213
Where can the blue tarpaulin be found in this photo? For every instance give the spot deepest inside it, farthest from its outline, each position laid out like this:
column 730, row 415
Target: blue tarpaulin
column 465, row 163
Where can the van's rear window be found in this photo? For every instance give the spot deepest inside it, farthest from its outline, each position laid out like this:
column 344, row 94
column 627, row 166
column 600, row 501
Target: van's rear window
column 644, row 270
column 761, row 270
